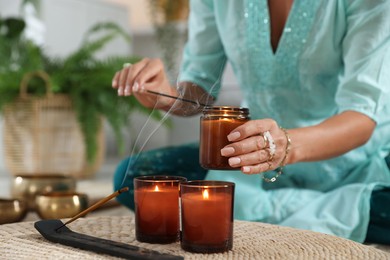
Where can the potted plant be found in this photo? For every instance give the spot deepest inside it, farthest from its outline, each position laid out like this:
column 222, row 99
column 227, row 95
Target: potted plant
column 80, row 75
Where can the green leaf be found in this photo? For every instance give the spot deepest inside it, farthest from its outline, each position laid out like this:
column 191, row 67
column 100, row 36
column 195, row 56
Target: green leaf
column 14, row 27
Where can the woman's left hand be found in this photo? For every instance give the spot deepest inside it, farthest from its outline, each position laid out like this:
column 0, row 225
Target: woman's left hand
column 257, row 146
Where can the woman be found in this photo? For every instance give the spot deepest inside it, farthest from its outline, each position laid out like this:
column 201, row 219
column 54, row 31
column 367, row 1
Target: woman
column 317, row 68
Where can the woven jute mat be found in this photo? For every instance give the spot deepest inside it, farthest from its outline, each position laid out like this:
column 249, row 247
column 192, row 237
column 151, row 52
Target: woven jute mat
column 252, row 240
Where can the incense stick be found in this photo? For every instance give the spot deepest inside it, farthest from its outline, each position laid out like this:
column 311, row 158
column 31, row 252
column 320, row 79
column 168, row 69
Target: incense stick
column 95, row 206
column 178, row 98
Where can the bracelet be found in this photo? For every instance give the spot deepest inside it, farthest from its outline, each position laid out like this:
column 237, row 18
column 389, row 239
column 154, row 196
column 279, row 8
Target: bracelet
column 282, row 163
column 288, row 147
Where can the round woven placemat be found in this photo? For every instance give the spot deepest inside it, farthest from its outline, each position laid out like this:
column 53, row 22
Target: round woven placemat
column 252, row 240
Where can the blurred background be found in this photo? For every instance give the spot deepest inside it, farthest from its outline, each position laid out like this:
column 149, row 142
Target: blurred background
column 156, row 28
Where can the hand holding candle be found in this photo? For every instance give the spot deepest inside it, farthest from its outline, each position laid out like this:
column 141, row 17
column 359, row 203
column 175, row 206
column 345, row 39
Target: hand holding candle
column 215, row 125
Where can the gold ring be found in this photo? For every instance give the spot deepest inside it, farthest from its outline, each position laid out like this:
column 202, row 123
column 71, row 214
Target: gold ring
column 266, row 141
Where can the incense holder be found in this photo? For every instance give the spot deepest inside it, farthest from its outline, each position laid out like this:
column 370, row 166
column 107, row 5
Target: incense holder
column 54, row 231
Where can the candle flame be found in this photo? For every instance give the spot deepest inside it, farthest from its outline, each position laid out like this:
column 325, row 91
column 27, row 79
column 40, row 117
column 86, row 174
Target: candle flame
column 156, row 188
column 205, row 194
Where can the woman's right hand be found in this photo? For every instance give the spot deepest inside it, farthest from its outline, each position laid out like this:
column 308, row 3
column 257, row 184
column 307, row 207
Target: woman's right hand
column 147, row 74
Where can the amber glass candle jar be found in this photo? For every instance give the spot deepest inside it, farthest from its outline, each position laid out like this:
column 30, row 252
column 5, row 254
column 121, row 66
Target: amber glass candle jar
column 207, row 216
column 216, row 124
column 156, row 201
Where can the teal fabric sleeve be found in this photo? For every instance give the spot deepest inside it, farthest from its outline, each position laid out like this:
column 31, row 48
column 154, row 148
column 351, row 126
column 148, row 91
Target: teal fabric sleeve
column 364, row 85
column 204, row 56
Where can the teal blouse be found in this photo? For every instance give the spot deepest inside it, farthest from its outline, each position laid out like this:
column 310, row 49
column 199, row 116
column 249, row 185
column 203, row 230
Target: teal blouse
column 333, row 56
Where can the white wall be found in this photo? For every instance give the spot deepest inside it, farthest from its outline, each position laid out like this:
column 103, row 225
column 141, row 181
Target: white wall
column 67, row 21
column 139, row 14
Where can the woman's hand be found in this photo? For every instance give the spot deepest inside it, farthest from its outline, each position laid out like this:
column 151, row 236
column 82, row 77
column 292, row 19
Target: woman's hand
column 252, row 150
column 148, row 74
column 257, row 146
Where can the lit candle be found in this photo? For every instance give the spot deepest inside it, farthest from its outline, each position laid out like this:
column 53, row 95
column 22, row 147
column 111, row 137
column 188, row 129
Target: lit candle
column 156, row 201
column 207, row 216
column 216, row 124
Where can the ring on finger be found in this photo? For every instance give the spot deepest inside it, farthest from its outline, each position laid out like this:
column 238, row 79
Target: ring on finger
column 126, row 65
column 266, row 141
column 271, row 142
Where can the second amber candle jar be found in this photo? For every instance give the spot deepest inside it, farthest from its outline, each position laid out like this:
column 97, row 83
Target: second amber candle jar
column 156, row 200
column 207, row 216
column 215, row 125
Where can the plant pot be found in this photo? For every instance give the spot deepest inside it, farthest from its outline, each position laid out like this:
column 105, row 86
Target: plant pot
column 42, row 135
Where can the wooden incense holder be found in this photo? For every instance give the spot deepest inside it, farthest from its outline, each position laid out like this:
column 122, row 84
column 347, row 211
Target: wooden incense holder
column 50, row 230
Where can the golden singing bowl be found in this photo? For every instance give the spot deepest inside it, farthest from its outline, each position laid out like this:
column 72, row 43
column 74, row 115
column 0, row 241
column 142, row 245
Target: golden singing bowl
column 12, row 210
column 26, row 187
column 57, row 205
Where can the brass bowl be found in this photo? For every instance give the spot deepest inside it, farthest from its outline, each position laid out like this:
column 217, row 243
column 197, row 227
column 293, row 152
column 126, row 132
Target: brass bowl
column 12, row 210
column 26, row 187
column 57, row 205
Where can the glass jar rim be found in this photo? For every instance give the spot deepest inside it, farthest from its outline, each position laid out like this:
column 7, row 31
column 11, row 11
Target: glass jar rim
column 226, row 108
column 208, row 184
column 160, row 178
